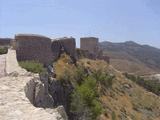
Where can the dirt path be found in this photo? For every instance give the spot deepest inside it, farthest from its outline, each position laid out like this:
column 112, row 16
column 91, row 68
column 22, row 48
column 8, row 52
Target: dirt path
column 2, row 65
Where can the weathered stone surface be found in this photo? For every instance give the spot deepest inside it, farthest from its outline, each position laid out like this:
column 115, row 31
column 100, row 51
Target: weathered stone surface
column 62, row 112
column 14, row 105
column 56, row 49
column 90, row 44
column 33, row 47
column 12, row 66
column 60, row 93
column 5, row 41
column 67, row 45
column 37, row 94
column 91, row 50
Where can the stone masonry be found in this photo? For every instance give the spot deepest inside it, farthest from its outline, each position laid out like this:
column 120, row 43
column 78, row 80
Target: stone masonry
column 90, row 44
column 33, row 47
column 67, row 45
column 90, row 47
column 46, row 50
column 5, row 41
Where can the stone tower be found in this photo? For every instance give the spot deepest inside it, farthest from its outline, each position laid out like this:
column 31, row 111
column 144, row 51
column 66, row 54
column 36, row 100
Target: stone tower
column 33, row 47
column 90, row 44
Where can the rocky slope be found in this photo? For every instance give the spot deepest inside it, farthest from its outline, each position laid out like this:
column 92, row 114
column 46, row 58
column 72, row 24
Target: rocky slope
column 14, row 105
column 121, row 100
column 132, row 57
column 124, row 100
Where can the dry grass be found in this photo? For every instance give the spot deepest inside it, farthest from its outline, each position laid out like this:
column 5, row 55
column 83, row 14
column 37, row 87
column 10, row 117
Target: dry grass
column 125, row 100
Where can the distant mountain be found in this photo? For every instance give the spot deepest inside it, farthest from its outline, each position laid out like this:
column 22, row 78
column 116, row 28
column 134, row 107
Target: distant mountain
column 132, row 57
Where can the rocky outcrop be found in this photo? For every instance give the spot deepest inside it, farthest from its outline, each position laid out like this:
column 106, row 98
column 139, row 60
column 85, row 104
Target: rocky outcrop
column 61, row 45
column 37, row 93
column 60, row 93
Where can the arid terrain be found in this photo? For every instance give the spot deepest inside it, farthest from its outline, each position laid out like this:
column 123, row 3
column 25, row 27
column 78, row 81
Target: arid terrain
column 133, row 58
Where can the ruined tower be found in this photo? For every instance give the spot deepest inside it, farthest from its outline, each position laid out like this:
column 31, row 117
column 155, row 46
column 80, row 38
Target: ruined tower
column 33, row 47
column 90, row 44
column 65, row 44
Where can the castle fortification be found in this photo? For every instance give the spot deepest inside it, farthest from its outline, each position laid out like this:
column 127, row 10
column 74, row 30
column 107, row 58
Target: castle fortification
column 33, row 47
column 90, row 44
column 65, row 44
column 5, row 41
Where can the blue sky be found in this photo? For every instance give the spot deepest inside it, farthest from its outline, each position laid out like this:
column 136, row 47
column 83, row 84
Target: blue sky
column 111, row 20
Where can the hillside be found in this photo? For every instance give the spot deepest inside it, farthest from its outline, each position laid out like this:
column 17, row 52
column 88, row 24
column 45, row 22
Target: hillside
column 88, row 90
column 132, row 57
column 120, row 98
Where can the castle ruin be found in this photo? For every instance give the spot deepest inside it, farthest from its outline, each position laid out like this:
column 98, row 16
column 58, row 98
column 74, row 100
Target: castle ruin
column 33, row 47
column 90, row 48
column 67, row 45
column 5, row 42
column 46, row 50
column 90, row 44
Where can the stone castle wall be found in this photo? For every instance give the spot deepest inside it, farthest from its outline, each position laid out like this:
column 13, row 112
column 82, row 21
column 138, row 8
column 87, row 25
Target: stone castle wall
column 90, row 48
column 90, row 44
column 42, row 49
column 67, row 45
column 5, row 41
column 33, row 47
column 45, row 50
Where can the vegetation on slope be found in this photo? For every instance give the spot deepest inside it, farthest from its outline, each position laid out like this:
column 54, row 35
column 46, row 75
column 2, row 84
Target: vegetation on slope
column 3, row 50
column 101, row 92
column 32, row 66
column 89, row 82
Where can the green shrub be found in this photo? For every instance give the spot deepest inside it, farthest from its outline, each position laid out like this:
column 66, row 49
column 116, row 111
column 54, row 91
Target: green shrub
column 84, row 99
column 80, row 74
column 32, row 66
column 113, row 116
column 105, row 79
column 88, row 97
column 3, row 50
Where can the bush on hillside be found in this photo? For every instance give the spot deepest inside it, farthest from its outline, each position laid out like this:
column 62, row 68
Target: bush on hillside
column 105, row 79
column 86, row 94
column 32, row 66
column 88, row 86
column 3, row 50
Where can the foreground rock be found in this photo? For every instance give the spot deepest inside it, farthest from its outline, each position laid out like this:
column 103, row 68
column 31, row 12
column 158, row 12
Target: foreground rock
column 14, row 105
